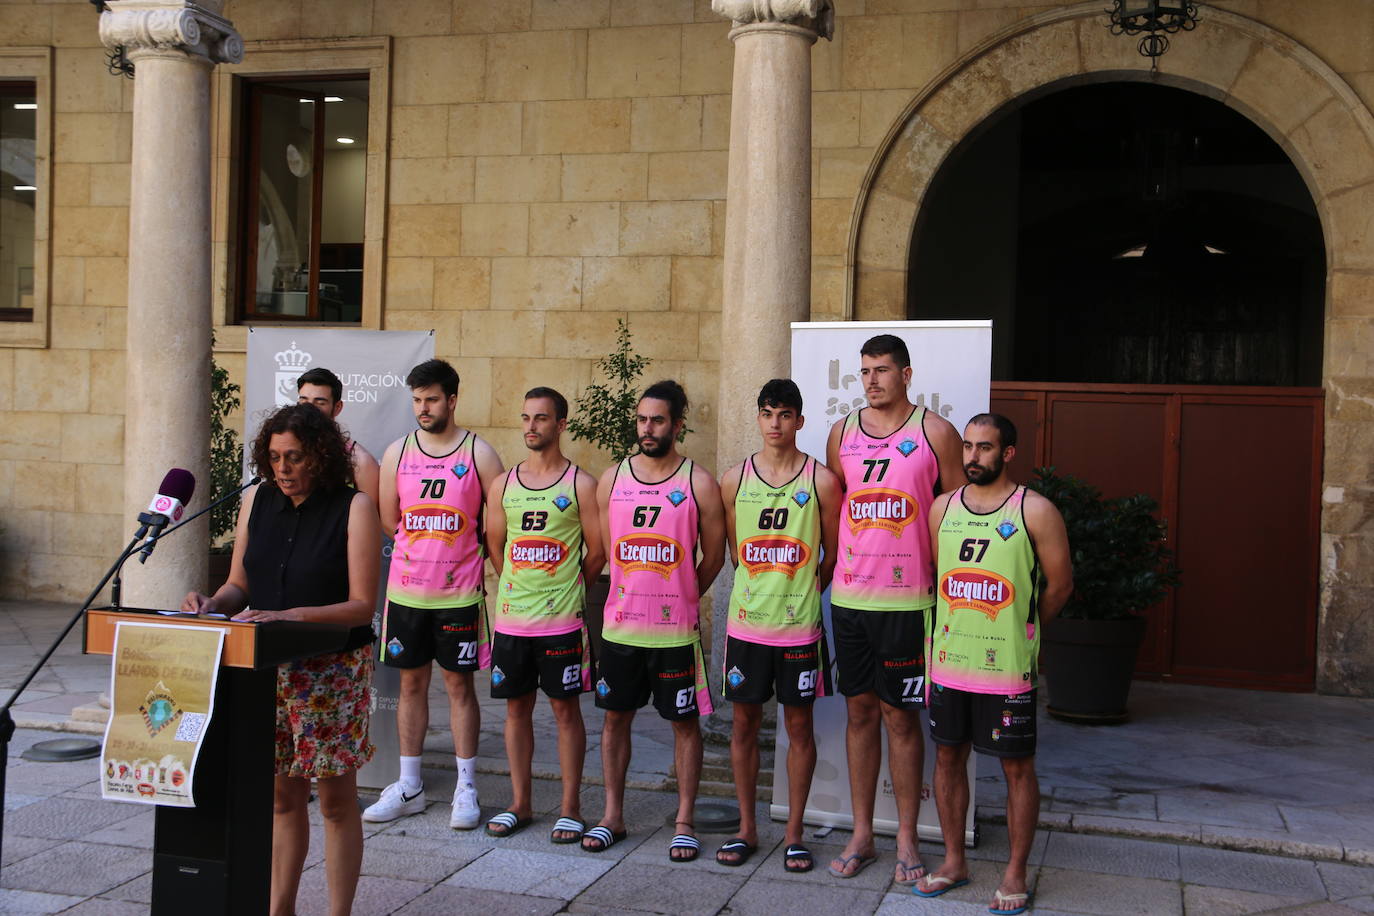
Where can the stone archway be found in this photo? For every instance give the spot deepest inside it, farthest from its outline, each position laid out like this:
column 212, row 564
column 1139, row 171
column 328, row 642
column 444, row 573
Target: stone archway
column 1319, row 121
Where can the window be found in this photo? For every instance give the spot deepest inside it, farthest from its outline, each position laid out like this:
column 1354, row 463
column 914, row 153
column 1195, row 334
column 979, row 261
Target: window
column 302, row 219
column 18, row 198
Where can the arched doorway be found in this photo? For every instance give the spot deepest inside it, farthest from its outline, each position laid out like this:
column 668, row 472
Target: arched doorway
column 1327, row 133
column 1153, row 263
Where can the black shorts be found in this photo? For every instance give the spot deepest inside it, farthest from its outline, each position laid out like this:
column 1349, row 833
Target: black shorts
column 556, row 663
column 801, row 673
column 413, row 637
column 1001, row 726
column 627, row 676
column 881, row 651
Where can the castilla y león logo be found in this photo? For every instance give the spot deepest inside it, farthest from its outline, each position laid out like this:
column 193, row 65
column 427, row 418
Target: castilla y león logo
column 773, row 553
column 879, row 507
column 291, row 362
column 432, row 520
column 977, row 590
column 536, row 552
column 649, row 552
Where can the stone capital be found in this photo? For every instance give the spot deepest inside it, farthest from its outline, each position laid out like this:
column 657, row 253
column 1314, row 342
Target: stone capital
column 814, row 15
column 163, row 27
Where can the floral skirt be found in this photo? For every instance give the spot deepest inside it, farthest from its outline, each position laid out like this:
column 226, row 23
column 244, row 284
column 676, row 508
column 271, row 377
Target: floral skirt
column 322, row 710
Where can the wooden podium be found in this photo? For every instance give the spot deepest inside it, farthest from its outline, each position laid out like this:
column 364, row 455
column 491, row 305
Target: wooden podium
column 216, row 858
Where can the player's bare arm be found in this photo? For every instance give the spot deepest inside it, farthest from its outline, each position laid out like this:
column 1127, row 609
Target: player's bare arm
column 829, row 496
column 588, row 510
column 949, row 450
column 495, row 512
column 366, row 472
column 488, row 463
column 603, row 504
column 711, row 519
column 1045, row 526
column 729, row 487
column 938, row 508
column 832, row 453
column 388, row 502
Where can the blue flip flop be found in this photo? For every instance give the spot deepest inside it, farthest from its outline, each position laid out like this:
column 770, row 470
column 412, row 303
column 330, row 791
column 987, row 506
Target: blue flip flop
column 946, row 885
column 1009, row 904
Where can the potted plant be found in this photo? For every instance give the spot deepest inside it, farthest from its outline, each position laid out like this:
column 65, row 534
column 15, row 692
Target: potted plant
column 226, row 471
column 1121, row 566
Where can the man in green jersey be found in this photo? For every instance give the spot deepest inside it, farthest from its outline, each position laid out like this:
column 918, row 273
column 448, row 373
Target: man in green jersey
column 1002, row 571
column 543, row 540
column 781, row 508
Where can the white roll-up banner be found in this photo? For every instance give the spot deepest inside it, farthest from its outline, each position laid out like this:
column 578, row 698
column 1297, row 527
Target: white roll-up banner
column 951, row 373
column 373, row 366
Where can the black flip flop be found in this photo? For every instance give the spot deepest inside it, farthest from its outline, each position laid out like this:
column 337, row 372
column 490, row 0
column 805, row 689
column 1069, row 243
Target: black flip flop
column 684, row 841
column 509, row 823
column 740, row 848
column 798, row 853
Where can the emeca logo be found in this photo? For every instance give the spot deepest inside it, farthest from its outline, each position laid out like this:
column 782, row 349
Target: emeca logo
column 443, row 523
column 773, row 553
column 648, row 552
column 535, row 552
column 977, row 590
column 881, row 508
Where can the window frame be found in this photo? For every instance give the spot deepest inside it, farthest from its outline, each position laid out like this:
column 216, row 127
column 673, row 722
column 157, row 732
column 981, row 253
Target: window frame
column 295, row 60
column 34, row 65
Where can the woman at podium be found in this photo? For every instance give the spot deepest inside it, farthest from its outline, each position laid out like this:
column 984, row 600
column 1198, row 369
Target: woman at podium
column 306, row 548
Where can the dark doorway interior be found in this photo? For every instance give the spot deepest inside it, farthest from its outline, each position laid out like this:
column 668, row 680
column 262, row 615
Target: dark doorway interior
column 1126, row 233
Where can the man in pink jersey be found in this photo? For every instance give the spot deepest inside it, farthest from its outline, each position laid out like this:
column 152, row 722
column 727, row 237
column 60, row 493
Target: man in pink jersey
column 1005, row 570
column 433, row 484
column 657, row 509
column 322, row 389
column 544, row 541
column 892, row 459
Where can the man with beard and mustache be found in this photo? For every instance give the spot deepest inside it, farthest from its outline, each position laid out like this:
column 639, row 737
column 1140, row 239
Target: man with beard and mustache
column 1003, row 568
column 433, row 483
column 892, row 458
column 657, row 508
column 544, row 541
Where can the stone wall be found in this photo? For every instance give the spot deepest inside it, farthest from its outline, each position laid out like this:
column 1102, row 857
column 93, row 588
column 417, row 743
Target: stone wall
column 555, row 165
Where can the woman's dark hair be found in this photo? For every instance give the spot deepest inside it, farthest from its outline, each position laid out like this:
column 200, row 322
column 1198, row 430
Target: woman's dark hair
column 326, row 453
column 670, row 391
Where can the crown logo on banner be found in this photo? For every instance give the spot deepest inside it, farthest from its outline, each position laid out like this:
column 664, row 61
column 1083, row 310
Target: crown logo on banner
column 293, row 360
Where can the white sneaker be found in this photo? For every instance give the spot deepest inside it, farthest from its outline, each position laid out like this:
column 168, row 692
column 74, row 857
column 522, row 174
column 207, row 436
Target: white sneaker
column 395, row 802
column 466, row 811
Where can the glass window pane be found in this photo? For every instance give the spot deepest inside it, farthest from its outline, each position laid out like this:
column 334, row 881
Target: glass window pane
column 18, row 195
column 285, row 203
column 345, row 186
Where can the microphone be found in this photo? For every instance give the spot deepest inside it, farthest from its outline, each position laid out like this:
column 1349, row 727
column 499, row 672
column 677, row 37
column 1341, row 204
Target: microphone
column 167, row 506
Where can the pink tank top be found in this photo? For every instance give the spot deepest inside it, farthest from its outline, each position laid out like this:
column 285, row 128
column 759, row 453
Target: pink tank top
column 885, row 561
column 437, row 558
column 653, row 602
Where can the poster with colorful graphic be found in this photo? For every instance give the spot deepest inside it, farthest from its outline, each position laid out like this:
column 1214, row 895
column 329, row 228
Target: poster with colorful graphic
column 162, row 695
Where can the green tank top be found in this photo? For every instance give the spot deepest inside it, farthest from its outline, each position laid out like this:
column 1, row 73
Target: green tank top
column 986, row 633
column 777, row 549
column 541, row 591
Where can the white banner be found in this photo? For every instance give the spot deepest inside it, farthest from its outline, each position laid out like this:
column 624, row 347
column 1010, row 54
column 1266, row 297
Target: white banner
column 951, row 374
column 373, row 366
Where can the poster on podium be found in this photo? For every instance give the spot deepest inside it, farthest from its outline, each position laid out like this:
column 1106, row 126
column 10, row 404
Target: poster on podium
column 162, row 697
column 951, row 365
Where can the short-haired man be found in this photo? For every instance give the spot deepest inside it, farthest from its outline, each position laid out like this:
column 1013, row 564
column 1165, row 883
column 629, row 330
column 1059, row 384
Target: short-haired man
column 544, row 541
column 892, row 457
column 657, row 508
column 781, row 508
column 433, row 485
column 322, row 388
column 1004, row 570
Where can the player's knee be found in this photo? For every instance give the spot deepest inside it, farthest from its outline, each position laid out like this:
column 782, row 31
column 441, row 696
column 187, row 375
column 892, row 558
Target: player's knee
column 863, row 710
column 746, row 719
column 800, row 725
column 566, row 713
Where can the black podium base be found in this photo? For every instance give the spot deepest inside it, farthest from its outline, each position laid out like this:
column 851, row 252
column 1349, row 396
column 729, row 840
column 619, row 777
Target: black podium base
column 216, row 858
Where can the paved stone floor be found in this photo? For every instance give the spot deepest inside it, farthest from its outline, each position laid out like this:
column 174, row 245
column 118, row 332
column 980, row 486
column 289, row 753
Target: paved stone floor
column 1208, row 801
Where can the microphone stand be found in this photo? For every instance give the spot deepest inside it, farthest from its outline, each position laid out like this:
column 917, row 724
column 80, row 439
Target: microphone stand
column 133, row 547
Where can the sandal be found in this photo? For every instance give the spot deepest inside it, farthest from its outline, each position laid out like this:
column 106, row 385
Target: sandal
column 740, row 849
column 604, row 838
column 796, row 852
column 507, row 823
column 1009, row 904
column 686, row 842
column 568, row 825
column 903, row 867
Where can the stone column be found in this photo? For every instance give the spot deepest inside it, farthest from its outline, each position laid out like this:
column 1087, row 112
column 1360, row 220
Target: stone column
column 767, row 283
column 173, row 45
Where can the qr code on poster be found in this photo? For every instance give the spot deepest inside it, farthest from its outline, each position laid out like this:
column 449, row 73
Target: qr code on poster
column 190, row 726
